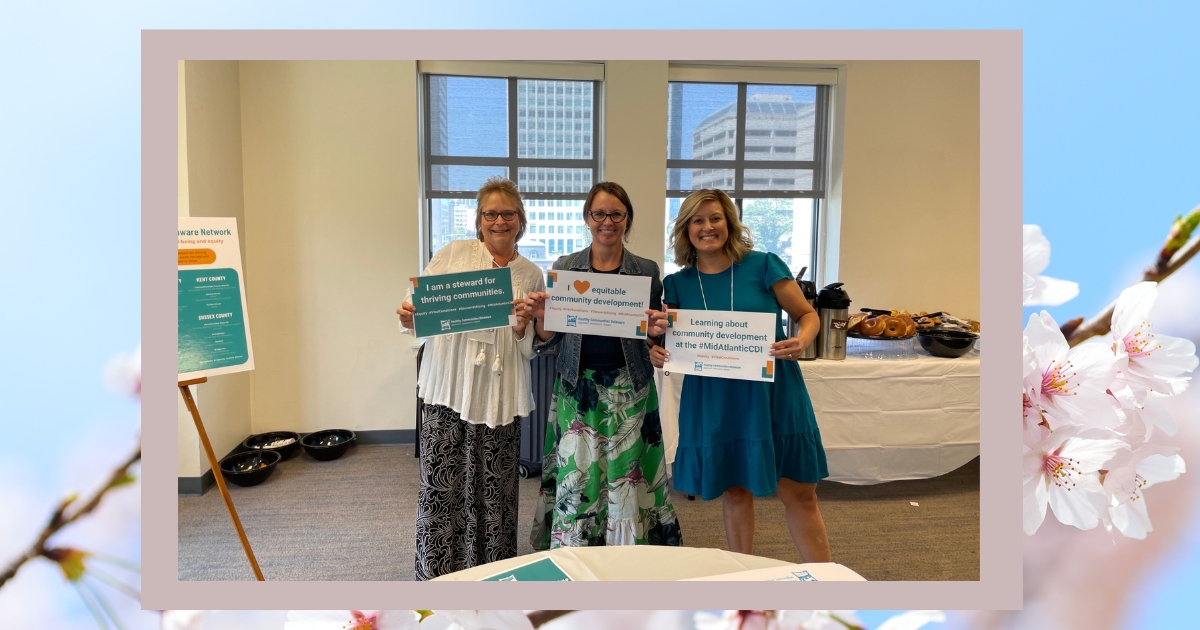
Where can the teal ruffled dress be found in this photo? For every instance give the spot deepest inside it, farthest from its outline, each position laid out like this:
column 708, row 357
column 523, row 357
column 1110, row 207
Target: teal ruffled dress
column 735, row 433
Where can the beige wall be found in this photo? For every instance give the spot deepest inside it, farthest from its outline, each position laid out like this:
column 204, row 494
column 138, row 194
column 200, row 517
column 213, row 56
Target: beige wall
column 910, row 196
column 332, row 211
column 331, row 196
column 214, row 189
column 189, row 440
column 635, row 146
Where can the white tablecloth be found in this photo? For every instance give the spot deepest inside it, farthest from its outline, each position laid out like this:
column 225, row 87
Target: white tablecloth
column 646, row 563
column 880, row 420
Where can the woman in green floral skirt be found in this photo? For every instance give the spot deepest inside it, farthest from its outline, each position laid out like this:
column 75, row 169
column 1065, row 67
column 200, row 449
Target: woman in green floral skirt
column 604, row 472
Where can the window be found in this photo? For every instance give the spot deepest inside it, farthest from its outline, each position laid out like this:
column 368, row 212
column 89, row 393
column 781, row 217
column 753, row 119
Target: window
column 480, row 126
column 765, row 146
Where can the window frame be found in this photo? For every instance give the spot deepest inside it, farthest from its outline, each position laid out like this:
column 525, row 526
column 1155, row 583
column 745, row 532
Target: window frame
column 825, row 80
column 819, row 165
column 512, row 73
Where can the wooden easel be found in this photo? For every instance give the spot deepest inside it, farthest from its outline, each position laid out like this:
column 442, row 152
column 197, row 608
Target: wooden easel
column 216, row 470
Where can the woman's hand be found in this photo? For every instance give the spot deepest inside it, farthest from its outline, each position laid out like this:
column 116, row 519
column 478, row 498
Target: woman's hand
column 535, row 303
column 788, row 348
column 659, row 356
column 523, row 317
column 535, row 306
column 657, row 325
column 406, row 312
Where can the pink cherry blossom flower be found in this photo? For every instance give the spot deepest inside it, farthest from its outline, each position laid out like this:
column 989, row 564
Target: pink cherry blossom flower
column 1148, row 362
column 351, row 620
column 1063, row 471
column 1038, row 289
column 1147, row 466
column 808, row 620
column 1036, row 428
column 123, row 373
column 913, row 619
column 182, row 619
column 1067, row 386
column 477, row 620
column 828, row 620
column 771, row 620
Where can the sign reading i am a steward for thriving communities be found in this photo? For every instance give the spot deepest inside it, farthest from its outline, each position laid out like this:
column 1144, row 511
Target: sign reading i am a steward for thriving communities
column 461, row 302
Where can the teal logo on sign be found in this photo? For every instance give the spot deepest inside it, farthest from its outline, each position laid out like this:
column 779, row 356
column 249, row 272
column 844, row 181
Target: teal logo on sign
column 212, row 329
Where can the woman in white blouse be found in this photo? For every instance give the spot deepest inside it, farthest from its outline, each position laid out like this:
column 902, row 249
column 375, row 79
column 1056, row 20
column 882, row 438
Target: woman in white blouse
column 475, row 387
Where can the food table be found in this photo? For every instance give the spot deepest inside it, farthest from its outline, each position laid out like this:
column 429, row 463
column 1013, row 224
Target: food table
column 880, row 420
column 658, row 563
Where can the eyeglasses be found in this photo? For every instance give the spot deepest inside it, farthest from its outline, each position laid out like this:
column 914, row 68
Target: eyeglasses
column 508, row 215
column 599, row 216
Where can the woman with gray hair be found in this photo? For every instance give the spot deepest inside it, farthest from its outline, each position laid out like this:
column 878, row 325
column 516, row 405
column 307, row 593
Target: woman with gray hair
column 476, row 387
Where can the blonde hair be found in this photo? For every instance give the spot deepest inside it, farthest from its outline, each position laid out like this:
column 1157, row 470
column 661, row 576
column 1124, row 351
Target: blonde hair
column 506, row 187
column 736, row 246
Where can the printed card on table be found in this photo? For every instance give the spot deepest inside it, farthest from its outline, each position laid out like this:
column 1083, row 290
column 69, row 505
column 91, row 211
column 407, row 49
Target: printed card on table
column 605, row 304
column 723, row 344
column 544, row 570
column 461, row 302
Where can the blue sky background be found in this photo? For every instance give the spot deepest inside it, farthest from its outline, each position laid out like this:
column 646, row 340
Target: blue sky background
column 1110, row 134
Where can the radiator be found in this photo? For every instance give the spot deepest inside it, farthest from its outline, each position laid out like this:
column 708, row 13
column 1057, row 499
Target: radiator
column 533, row 427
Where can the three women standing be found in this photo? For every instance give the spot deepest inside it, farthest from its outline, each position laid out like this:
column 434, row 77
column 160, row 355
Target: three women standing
column 476, row 387
column 741, row 439
column 604, row 474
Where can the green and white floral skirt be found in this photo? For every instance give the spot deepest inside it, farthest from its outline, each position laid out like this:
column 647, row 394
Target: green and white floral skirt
column 604, row 471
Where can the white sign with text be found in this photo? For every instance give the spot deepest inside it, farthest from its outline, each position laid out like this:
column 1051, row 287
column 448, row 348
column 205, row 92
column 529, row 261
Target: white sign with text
column 723, row 344
column 607, row 304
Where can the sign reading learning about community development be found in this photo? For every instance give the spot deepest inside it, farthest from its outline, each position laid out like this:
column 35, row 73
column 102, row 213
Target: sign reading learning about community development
column 461, row 302
column 605, row 304
column 214, row 330
column 724, row 344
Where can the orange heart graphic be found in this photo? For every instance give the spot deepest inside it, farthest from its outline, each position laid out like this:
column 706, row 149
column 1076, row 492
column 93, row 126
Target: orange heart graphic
column 582, row 286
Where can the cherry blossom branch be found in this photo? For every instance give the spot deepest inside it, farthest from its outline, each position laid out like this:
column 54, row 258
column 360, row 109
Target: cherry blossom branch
column 1101, row 324
column 540, row 617
column 64, row 515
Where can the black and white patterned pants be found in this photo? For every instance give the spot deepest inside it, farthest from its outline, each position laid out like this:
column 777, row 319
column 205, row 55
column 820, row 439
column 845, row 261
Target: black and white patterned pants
column 467, row 503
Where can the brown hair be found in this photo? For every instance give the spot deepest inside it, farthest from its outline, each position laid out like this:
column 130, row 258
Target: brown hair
column 617, row 191
column 506, row 187
column 736, row 246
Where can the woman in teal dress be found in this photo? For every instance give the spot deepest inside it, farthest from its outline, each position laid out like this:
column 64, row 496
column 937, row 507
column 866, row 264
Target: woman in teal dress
column 740, row 439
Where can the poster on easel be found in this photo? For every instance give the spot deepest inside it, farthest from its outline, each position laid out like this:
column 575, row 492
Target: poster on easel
column 214, row 325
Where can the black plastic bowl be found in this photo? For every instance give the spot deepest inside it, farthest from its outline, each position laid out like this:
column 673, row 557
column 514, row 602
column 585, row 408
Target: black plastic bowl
column 328, row 444
column 249, row 468
column 950, row 344
column 255, row 442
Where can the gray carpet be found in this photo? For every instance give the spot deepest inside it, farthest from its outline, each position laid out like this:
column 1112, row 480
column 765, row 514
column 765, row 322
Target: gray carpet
column 352, row 519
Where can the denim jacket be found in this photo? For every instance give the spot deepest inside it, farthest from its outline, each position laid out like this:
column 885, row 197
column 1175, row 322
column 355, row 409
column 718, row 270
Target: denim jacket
column 567, row 345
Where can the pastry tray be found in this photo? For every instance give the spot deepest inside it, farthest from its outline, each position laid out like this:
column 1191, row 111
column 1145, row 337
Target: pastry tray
column 879, row 337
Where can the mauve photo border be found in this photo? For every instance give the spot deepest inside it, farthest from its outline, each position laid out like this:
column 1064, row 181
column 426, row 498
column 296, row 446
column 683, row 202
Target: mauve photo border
column 999, row 53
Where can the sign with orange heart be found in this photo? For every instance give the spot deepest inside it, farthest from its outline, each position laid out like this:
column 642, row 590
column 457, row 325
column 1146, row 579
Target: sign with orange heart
column 606, row 304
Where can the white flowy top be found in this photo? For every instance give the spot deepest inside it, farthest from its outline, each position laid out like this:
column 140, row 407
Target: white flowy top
column 484, row 383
